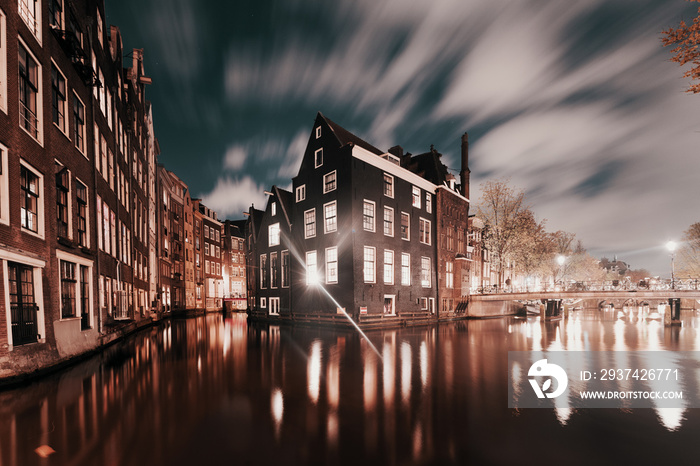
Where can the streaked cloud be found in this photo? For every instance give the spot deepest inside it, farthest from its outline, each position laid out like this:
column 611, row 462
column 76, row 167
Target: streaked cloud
column 233, row 196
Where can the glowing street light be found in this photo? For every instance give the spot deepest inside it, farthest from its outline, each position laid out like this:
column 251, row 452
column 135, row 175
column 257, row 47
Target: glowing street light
column 671, row 246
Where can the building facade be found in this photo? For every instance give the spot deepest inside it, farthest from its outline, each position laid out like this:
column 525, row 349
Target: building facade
column 233, row 263
column 363, row 236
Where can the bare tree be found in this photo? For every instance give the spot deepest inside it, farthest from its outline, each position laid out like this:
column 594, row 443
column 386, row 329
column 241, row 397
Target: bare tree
column 686, row 38
column 503, row 210
column 688, row 256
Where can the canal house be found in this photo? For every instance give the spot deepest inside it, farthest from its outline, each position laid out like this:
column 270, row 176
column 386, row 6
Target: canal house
column 363, row 235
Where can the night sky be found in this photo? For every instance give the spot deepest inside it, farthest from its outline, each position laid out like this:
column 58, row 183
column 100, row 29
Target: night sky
column 576, row 101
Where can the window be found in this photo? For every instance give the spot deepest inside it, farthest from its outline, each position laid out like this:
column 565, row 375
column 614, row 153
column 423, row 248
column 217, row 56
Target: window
column 100, row 31
column 388, row 185
column 206, row 231
column 424, row 231
column 388, row 221
column 318, row 158
column 30, row 12
column 263, row 303
column 29, row 92
column 274, row 270
column 416, row 197
column 450, row 233
column 405, row 269
column 311, row 269
column 330, row 215
column 449, row 275
column 425, row 272
column 78, row 124
column 368, row 215
column 301, row 193
column 31, row 200
column 369, row 268
column 405, row 226
column 273, row 209
column 285, row 269
column 55, row 13
column 4, row 187
column 62, row 196
column 318, row 132
column 310, row 223
column 263, row 271
column 332, row 265
column 82, row 202
column 329, row 182
column 3, row 62
column 206, row 249
column 388, row 267
column 274, row 306
column 273, row 234
column 68, row 284
column 428, row 203
column 424, row 304
column 59, row 102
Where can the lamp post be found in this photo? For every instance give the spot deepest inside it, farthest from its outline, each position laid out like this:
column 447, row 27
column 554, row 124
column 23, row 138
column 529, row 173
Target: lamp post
column 671, row 246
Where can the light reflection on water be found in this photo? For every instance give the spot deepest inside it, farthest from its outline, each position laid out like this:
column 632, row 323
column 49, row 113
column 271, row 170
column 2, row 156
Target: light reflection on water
column 216, row 390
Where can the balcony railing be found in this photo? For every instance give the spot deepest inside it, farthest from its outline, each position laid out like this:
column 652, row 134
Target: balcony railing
column 28, row 16
column 28, row 120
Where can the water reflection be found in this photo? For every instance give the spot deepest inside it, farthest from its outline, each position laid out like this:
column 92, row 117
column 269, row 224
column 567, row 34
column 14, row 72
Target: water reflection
column 216, row 390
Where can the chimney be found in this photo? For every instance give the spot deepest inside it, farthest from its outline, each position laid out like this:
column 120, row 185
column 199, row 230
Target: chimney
column 464, row 172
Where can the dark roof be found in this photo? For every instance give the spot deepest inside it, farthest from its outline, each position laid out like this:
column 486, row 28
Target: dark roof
column 429, row 166
column 286, row 202
column 346, row 137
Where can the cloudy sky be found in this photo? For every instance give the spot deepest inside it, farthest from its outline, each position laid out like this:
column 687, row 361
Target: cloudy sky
column 575, row 101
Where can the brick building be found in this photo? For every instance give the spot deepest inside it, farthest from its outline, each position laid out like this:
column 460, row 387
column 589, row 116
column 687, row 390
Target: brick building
column 77, row 154
column 233, row 263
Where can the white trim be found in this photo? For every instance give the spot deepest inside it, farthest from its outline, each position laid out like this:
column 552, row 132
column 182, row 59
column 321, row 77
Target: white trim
column 301, row 193
column 274, row 303
column 313, row 211
column 3, row 62
column 40, row 229
column 374, row 272
column 17, row 257
column 330, row 281
column 37, row 30
column 393, row 304
column 374, row 221
column 79, row 261
column 325, row 223
column 316, row 153
column 430, row 231
column 393, row 221
column 391, row 168
column 408, row 255
column 38, row 265
column 39, row 96
column 393, row 186
column 335, row 181
column 318, row 132
column 393, row 267
column 453, row 192
column 4, row 185
column 416, row 199
column 72, row 112
column 66, row 114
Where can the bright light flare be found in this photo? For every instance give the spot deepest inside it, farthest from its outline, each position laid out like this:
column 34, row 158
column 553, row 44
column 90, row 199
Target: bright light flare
column 671, row 246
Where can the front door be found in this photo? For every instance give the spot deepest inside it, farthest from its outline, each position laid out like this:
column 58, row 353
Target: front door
column 389, row 308
column 22, row 305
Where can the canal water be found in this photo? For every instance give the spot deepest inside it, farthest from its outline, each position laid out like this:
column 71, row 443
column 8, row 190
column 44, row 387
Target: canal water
column 217, row 390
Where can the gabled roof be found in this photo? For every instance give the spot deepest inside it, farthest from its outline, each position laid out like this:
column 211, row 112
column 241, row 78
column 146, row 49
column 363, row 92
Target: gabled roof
column 429, row 166
column 346, row 137
column 286, row 200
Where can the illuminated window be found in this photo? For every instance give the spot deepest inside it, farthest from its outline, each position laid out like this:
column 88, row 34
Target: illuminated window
column 405, row 226
column 273, row 234
column 405, row 269
column 425, row 272
column 311, row 268
column 368, row 215
column 388, row 221
column 428, row 203
column 388, row 267
column 329, row 182
column 370, row 260
column 310, row 223
column 330, row 215
column 31, row 200
column 332, row 265
column 424, row 231
column 449, row 275
column 416, row 197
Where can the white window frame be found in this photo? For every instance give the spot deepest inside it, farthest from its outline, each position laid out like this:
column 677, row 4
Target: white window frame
column 273, row 234
column 405, row 269
column 66, row 115
column 390, row 231
column 263, row 303
column 331, row 265
column 408, row 228
column 3, row 62
column 425, row 278
column 312, row 212
column 39, row 97
column 318, row 157
column 276, row 255
column 334, row 174
column 415, row 197
column 311, row 268
column 388, row 269
column 284, row 283
column 78, row 261
column 4, row 186
column 41, row 225
column 424, row 304
column 301, row 193
column 274, row 306
column 334, row 227
column 37, row 273
column 428, row 203
column 35, row 28
column 449, row 274
column 83, row 149
column 318, row 132
column 367, row 202
column 365, row 269
column 273, row 209
column 384, row 179
column 423, row 223
column 69, row 204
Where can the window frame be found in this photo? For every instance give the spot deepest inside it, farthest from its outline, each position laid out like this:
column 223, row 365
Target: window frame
column 311, row 278
column 390, row 233
column 425, row 273
column 415, row 197
column 331, row 265
column 318, row 132
column 4, row 186
column 318, row 157
column 79, row 126
column 35, row 29
column 408, row 227
column 428, row 203
column 37, row 88
column 273, row 229
column 3, row 61
column 366, row 263
column 373, row 227
column 40, row 199
column 59, row 107
column 301, row 193
column 405, row 269
column 425, row 234
column 307, row 224
column 333, row 181
column 388, row 269
column 333, row 227
column 390, row 178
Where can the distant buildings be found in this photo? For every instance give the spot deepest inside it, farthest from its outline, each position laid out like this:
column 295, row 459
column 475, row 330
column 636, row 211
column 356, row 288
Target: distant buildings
column 379, row 236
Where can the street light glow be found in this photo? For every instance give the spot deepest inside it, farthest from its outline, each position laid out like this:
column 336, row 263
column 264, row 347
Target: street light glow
column 561, row 259
column 671, row 246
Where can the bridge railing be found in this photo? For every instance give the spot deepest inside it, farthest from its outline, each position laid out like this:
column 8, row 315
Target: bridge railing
column 681, row 284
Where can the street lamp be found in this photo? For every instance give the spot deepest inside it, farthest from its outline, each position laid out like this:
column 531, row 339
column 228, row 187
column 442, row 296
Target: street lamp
column 671, row 246
column 560, row 260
